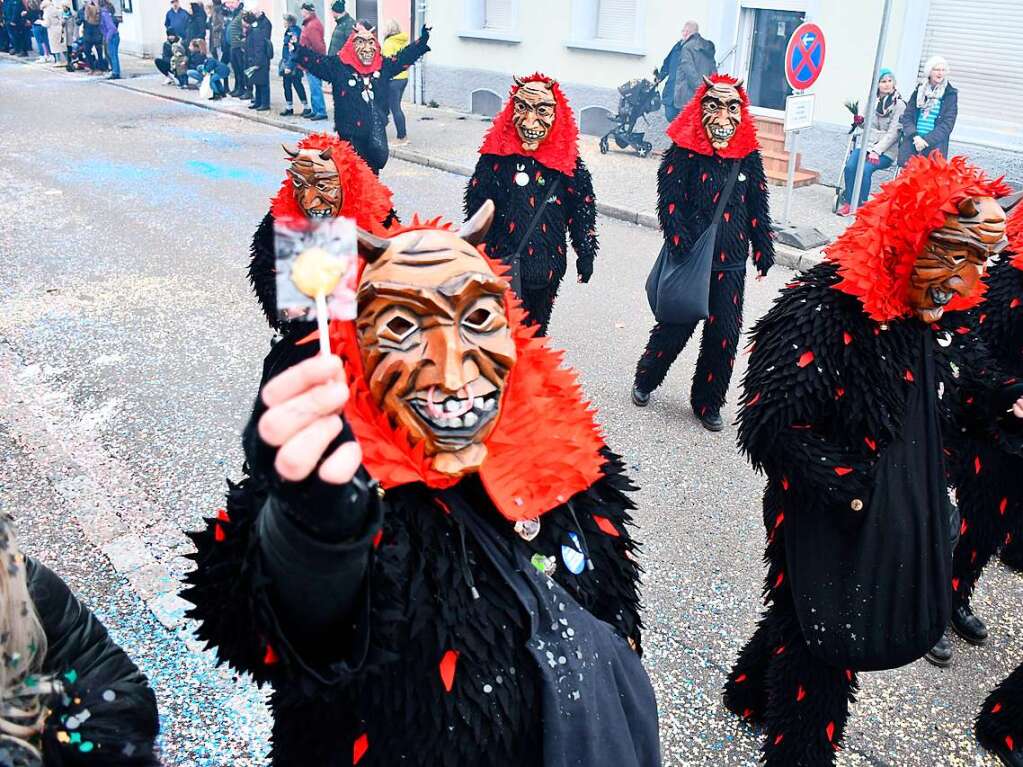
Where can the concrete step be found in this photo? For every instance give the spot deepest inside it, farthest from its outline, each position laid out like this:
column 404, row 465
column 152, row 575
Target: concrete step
column 802, row 177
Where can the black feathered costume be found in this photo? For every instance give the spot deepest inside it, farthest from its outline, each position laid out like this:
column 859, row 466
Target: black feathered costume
column 991, row 489
column 424, row 630
column 999, row 725
column 849, row 406
column 690, row 180
column 518, row 182
column 359, row 89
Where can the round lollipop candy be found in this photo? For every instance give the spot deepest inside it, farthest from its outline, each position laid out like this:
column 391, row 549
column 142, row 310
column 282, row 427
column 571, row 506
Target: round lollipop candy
column 316, row 274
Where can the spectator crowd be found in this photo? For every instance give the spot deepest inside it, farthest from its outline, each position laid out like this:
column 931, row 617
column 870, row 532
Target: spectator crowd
column 80, row 34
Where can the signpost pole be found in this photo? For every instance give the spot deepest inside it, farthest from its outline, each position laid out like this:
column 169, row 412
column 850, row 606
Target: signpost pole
column 868, row 119
column 791, row 180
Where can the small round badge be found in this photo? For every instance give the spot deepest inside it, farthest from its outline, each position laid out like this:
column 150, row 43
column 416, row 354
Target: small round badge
column 521, row 178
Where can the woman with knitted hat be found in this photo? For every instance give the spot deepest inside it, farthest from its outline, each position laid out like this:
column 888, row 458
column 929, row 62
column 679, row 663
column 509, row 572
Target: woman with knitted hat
column 882, row 144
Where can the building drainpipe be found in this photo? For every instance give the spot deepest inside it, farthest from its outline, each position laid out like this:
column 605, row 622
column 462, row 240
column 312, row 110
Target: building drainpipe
column 418, row 13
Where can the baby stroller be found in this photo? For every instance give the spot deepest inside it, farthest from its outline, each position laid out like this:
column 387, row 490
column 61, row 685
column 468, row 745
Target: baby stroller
column 638, row 99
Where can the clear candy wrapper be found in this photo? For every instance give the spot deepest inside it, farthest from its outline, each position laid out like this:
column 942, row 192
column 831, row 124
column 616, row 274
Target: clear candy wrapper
column 316, row 259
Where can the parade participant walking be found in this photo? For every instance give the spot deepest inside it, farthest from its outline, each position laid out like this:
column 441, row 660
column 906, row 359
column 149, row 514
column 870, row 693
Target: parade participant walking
column 857, row 385
column 344, row 25
column 990, row 488
column 930, row 113
column 713, row 142
column 326, row 179
column 69, row 694
column 882, row 145
column 530, row 167
column 687, row 63
column 359, row 78
column 423, row 575
column 312, row 38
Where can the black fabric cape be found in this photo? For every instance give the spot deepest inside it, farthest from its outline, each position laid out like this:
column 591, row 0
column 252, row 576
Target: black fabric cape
column 373, row 682
column 572, row 211
column 826, row 396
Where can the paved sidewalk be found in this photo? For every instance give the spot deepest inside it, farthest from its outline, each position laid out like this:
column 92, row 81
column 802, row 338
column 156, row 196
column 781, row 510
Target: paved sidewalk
column 625, row 184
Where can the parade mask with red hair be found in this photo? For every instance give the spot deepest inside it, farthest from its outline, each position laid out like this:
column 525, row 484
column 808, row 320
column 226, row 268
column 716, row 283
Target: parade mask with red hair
column 716, row 120
column 446, row 378
column 362, row 51
column 536, row 121
column 921, row 245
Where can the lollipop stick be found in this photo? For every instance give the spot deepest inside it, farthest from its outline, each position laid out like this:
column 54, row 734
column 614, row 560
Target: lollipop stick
column 322, row 323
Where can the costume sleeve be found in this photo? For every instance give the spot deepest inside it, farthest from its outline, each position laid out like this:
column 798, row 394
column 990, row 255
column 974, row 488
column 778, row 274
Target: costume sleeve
column 946, row 119
column 759, row 206
column 109, row 699
column 327, row 68
column 804, row 377
column 987, row 392
column 582, row 219
column 483, row 186
column 673, row 209
column 406, row 57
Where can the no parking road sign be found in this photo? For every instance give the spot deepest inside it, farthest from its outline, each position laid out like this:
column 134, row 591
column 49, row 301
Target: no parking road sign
column 804, row 56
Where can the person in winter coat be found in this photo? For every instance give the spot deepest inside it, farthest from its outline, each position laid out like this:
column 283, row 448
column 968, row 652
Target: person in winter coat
column 685, row 66
column 344, row 25
column 71, row 26
column 712, row 139
column 179, row 63
column 359, row 78
column 312, row 38
column 216, row 24
column 92, row 34
column 197, row 22
column 70, row 696
column 17, row 33
column 35, row 18
column 451, row 585
column 108, row 22
column 394, row 41
column 53, row 22
column 257, row 59
column 930, row 113
column 859, row 383
column 882, row 144
column 177, row 19
column 236, row 37
column 531, row 168
column 289, row 71
column 990, row 492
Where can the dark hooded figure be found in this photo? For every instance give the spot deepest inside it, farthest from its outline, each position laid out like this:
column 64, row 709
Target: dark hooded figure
column 359, row 77
column 424, row 576
column 713, row 133
column 530, row 167
column 858, row 386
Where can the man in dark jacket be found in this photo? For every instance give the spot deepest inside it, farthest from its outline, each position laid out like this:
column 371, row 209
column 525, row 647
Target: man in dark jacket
column 690, row 60
column 15, row 27
column 236, row 40
column 930, row 114
column 312, row 38
column 177, row 19
column 257, row 59
column 345, row 25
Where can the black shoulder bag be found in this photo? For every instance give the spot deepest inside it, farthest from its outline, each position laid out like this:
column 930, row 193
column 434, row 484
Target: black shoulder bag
column 516, row 258
column 678, row 288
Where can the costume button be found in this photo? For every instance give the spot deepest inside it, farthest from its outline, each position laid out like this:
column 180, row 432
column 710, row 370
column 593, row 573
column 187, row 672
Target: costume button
column 857, row 504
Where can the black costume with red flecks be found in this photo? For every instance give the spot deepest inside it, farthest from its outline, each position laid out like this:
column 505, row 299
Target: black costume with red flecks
column 999, row 726
column 570, row 212
column 991, row 489
column 836, row 378
column 690, row 180
column 359, row 89
column 433, row 664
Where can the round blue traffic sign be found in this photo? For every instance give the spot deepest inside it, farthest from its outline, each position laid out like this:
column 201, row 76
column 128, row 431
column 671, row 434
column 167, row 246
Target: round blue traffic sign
column 804, row 56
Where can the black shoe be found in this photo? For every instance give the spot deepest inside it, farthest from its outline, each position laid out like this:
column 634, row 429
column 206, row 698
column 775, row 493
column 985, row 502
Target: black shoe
column 251, row 106
column 262, row 109
column 640, row 398
column 711, row 420
column 286, row 112
column 307, row 112
column 969, row 626
column 941, row 654
column 317, row 118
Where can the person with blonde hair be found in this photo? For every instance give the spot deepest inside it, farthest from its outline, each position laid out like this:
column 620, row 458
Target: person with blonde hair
column 68, row 694
column 930, row 113
column 394, row 41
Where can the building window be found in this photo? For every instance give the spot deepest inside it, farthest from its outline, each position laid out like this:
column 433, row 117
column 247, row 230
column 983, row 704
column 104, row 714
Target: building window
column 491, row 20
column 608, row 25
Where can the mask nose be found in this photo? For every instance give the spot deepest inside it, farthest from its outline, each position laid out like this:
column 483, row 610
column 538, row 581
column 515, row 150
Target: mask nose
column 448, row 353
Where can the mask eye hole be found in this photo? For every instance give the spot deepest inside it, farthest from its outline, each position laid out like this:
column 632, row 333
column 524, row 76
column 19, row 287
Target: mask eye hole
column 477, row 318
column 482, row 318
column 400, row 326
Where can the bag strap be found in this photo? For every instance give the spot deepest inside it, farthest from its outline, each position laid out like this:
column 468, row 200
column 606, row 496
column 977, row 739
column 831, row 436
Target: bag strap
column 726, row 194
column 536, row 218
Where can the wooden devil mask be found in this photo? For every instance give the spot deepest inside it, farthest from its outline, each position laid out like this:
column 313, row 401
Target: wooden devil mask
column 315, row 182
column 534, row 112
column 721, row 111
column 955, row 256
column 366, row 45
column 435, row 339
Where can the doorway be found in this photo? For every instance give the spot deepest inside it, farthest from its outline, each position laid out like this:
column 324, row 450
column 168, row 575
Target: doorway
column 367, row 9
column 764, row 34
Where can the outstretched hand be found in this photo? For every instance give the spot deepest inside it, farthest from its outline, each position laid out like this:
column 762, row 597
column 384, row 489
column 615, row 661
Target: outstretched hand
column 1017, row 408
column 303, row 418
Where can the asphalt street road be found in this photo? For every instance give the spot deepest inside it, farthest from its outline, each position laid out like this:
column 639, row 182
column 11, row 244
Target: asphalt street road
column 130, row 348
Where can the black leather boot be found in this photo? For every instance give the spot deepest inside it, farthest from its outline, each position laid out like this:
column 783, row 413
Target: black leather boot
column 640, row 398
column 712, row 420
column 969, row 626
column 941, row 654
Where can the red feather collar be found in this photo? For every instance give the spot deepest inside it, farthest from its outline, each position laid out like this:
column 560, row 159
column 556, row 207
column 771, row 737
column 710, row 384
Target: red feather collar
column 687, row 129
column 1014, row 231
column 559, row 151
column 544, row 449
column 348, row 57
column 365, row 199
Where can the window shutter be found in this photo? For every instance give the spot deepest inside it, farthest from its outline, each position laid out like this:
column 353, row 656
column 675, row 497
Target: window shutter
column 497, row 14
column 616, row 20
column 980, row 40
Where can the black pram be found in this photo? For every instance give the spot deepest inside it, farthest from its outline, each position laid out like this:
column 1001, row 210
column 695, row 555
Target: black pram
column 638, row 99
